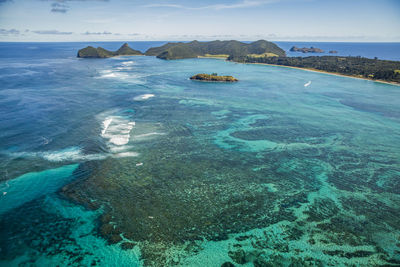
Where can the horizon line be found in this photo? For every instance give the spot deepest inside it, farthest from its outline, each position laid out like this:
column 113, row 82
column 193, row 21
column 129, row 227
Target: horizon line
column 200, row 40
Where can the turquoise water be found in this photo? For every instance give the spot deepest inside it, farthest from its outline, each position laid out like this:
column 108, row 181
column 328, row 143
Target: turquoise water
column 34, row 185
column 126, row 162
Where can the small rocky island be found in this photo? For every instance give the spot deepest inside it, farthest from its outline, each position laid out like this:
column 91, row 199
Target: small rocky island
column 306, row 49
column 213, row 78
column 91, row 52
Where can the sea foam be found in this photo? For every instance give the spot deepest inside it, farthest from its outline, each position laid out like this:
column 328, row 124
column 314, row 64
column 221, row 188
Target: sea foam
column 73, row 154
column 117, row 130
column 126, row 154
column 113, row 74
column 147, row 135
column 122, row 73
column 106, row 123
column 128, row 63
column 143, row 97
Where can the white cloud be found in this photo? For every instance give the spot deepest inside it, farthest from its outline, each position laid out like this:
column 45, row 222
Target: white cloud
column 62, row 6
column 165, row 5
column 240, row 4
column 9, row 32
column 97, row 33
column 55, row 32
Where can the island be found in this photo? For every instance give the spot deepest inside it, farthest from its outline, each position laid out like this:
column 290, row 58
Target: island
column 306, row 50
column 91, row 52
column 213, row 78
column 333, row 52
column 215, row 49
column 262, row 52
column 194, row 49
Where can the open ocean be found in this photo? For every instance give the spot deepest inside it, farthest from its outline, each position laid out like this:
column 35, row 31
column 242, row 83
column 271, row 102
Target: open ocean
column 126, row 162
column 388, row 51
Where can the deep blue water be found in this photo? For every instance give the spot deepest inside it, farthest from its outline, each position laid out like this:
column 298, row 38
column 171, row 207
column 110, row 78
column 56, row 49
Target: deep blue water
column 388, row 51
column 126, row 162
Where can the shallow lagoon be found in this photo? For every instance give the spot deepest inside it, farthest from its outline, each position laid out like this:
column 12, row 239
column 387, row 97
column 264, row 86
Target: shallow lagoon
column 264, row 171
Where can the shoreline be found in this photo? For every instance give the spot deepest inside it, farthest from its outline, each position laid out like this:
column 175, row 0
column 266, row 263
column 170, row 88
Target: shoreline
column 275, row 65
column 225, row 58
column 325, row 72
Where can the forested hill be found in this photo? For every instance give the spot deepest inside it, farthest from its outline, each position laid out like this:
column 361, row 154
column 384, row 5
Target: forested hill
column 99, row 52
column 374, row 69
column 214, row 48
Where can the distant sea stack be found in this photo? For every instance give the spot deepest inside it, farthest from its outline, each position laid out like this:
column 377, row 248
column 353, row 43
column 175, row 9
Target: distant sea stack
column 91, row 52
column 213, row 78
column 231, row 49
column 306, row 49
column 333, row 52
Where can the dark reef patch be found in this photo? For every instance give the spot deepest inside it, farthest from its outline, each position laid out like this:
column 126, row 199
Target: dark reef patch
column 373, row 108
column 189, row 190
column 30, row 229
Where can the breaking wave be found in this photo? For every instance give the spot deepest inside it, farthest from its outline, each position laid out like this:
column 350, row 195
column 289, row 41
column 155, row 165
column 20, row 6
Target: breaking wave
column 69, row 154
column 116, row 130
column 143, row 97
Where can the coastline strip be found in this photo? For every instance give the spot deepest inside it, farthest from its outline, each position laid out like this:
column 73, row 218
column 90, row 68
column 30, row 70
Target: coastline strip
column 321, row 71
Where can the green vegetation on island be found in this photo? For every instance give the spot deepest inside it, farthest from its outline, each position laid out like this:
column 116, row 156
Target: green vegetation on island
column 196, row 49
column 262, row 52
column 222, row 56
column 213, row 78
column 263, row 55
column 306, row 50
column 374, row 69
column 91, row 52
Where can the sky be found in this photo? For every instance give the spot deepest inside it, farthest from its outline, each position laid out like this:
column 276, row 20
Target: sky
column 148, row 20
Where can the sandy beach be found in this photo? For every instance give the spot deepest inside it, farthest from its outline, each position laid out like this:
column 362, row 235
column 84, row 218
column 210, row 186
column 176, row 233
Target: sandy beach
column 326, row 72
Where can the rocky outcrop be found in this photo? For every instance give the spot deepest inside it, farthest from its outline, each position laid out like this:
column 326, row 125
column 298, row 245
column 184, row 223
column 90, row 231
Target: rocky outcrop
column 213, row 78
column 99, row 52
column 306, row 49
